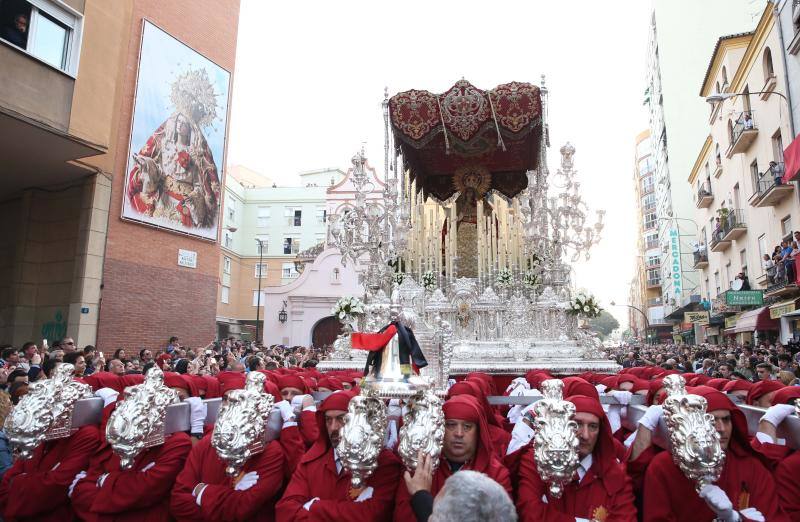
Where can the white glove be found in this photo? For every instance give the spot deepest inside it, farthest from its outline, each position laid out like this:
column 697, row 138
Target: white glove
column 652, row 417
column 623, row 397
column 718, row 501
column 101, row 480
column 753, row 514
column 395, row 409
column 107, row 394
column 287, row 413
column 78, row 477
column 450, row 382
column 514, row 414
column 777, row 413
column 307, row 505
column 198, row 411
column 365, row 495
column 520, row 435
column 147, row 467
column 601, row 388
column 247, row 481
column 614, row 417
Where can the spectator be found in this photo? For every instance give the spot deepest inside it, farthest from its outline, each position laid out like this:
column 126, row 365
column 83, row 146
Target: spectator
column 78, row 361
column 5, row 447
column 16, row 33
column 116, row 367
column 764, row 371
column 776, row 171
column 68, row 345
column 769, row 268
column 89, row 356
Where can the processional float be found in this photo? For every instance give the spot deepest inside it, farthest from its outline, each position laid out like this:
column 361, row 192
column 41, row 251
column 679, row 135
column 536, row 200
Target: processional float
column 467, row 249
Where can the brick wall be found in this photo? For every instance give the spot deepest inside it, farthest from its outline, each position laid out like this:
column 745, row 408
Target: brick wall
column 146, row 296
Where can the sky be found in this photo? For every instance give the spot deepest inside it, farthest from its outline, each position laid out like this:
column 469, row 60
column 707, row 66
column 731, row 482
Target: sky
column 310, row 78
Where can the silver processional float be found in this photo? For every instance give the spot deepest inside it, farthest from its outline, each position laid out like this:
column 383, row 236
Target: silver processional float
column 466, row 252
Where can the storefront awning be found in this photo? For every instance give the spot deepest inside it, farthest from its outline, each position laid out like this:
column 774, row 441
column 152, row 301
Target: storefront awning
column 780, row 309
column 754, row 320
column 791, row 158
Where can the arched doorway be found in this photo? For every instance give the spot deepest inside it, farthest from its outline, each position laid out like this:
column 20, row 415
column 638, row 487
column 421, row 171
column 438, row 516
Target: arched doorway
column 325, row 331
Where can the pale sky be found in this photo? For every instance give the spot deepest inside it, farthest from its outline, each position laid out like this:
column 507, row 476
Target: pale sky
column 310, row 76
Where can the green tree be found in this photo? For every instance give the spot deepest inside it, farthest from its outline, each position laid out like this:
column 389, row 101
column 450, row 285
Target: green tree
column 604, row 324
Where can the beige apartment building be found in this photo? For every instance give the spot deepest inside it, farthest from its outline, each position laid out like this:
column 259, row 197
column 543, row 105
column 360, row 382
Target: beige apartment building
column 743, row 208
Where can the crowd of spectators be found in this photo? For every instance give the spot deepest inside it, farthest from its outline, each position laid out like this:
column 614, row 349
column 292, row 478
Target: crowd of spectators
column 764, row 361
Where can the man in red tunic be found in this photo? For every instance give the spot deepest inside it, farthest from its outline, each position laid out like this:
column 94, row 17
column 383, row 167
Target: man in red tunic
column 36, row 489
column 106, row 492
column 321, row 489
column 203, row 491
column 467, row 445
column 601, row 491
column 745, row 489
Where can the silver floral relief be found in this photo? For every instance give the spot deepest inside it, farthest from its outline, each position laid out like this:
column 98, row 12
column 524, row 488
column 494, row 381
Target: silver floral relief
column 240, row 429
column 45, row 412
column 137, row 422
column 555, row 447
column 422, row 430
column 695, row 444
column 362, row 436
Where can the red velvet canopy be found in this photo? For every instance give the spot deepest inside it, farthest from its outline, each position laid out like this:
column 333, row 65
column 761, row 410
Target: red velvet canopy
column 499, row 129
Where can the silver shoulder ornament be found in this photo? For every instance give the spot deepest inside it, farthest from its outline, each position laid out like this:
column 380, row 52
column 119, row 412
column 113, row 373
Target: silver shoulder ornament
column 555, row 447
column 423, row 429
column 362, row 436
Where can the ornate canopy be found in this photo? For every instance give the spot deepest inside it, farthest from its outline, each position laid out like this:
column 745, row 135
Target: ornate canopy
column 499, row 130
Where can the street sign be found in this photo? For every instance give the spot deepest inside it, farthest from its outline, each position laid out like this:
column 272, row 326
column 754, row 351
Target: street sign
column 745, row 297
column 695, row 317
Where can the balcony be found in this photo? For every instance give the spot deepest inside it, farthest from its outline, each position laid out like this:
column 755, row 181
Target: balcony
column 700, row 258
column 718, row 169
column 731, row 227
column 744, row 133
column 704, row 195
column 654, row 283
column 770, row 190
column 780, row 287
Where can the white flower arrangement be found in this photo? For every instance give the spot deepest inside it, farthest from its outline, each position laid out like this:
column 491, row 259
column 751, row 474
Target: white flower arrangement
column 398, row 277
column 504, row 277
column 584, row 305
column 531, row 279
column 428, row 280
column 348, row 306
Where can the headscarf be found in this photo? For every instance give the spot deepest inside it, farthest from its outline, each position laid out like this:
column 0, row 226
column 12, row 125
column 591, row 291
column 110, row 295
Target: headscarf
column 467, row 408
column 655, row 392
column 99, row 380
column 717, row 384
column 161, row 359
column 578, row 386
column 331, row 383
column 786, row 395
column 485, row 378
column 293, row 381
column 737, row 385
column 212, row 387
column 338, row 400
column 535, row 378
column 740, row 439
column 762, row 388
column 230, row 381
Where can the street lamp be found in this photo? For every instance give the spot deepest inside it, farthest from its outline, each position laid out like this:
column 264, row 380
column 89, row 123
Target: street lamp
column 722, row 96
column 282, row 315
column 260, row 268
column 646, row 320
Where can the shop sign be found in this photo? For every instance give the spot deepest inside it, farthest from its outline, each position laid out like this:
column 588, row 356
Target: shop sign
column 745, row 297
column 187, row 258
column 730, row 322
column 778, row 310
column 675, row 254
column 696, row 317
column 712, row 330
column 677, row 339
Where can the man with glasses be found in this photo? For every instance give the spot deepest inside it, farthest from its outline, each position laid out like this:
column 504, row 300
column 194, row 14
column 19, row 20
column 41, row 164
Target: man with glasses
column 68, row 345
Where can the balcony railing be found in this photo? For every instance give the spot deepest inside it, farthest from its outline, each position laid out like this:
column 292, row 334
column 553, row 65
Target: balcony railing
column 654, row 282
column 704, row 195
column 731, row 226
column 744, row 133
column 770, row 188
column 700, row 258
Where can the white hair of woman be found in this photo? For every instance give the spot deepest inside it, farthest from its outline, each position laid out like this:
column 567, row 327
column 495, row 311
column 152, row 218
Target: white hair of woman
column 470, row 496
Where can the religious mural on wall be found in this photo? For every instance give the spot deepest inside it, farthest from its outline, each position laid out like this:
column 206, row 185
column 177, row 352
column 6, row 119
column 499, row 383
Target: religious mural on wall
column 175, row 155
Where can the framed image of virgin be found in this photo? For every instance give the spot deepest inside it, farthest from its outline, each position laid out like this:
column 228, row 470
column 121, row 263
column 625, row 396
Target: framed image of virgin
column 177, row 143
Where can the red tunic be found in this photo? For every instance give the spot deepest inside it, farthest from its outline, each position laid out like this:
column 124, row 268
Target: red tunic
column 788, row 486
column 669, row 495
column 134, row 494
column 599, row 496
column 316, row 476
column 220, row 501
column 309, row 428
column 36, row 489
column 494, row 469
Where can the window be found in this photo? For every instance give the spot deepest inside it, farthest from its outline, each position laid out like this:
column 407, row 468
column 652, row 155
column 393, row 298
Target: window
column 653, row 277
column 730, row 132
column 230, row 206
column 649, row 202
column 786, row 226
column 293, row 216
column 262, row 298
column 653, row 261
column 44, row 30
column 225, row 294
column 263, row 244
column 718, row 154
column 228, row 239
column 743, row 261
column 762, row 247
column 291, row 245
column 754, row 174
column 724, row 77
column 260, row 271
column 651, row 241
column 288, row 271
column 727, row 274
column 716, row 282
column 322, row 215
column 769, row 70
column 226, row 265
column 647, row 184
column 263, row 217
column 777, row 147
column 649, row 221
